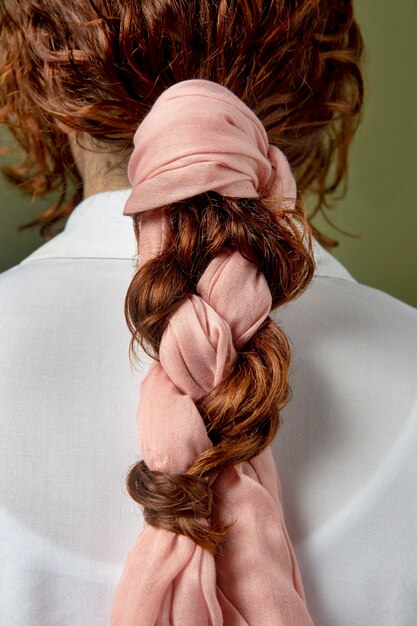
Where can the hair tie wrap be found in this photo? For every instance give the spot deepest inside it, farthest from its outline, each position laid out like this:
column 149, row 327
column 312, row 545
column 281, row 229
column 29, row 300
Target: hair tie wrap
column 200, row 137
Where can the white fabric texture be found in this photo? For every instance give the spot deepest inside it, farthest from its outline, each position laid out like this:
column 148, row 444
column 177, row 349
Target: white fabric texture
column 346, row 451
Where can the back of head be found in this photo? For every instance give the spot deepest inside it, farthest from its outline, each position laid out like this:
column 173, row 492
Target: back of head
column 99, row 66
column 199, row 300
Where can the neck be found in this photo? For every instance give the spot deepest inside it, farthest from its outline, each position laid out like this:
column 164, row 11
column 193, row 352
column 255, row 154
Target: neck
column 99, row 170
column 94, row 184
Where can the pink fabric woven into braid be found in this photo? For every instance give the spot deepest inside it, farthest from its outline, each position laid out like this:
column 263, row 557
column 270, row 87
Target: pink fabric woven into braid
column 186, row 146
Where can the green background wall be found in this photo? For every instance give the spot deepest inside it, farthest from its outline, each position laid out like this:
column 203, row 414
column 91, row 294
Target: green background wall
column 380, row 205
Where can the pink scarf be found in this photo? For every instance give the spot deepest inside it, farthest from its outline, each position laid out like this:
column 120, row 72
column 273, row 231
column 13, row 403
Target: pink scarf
column 198, row 137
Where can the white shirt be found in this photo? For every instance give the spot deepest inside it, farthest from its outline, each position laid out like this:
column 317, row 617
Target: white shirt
column 346, row 451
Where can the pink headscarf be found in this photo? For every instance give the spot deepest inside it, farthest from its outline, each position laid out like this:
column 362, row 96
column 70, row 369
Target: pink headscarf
column 200, row 137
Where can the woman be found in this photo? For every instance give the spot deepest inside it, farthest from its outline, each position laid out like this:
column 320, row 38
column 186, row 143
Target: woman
column 159, row 112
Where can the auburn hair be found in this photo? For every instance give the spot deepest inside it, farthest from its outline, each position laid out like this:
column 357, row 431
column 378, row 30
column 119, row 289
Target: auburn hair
column 97, row 67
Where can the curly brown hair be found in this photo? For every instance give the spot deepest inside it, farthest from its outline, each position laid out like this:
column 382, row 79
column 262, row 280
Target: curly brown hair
column 98, row 67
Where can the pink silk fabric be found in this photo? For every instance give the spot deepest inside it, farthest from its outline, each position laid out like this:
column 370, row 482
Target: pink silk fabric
column 183, row 147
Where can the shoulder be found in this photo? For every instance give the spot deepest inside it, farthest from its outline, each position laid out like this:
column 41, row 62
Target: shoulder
column 354, row 331
column 25, row 284
column 345, row 309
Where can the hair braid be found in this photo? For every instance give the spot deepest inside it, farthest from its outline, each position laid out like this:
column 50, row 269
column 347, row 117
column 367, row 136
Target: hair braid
column 242, row 412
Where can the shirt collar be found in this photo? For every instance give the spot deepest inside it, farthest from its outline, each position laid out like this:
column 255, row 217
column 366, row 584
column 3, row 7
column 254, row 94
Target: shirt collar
column 97, row 229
